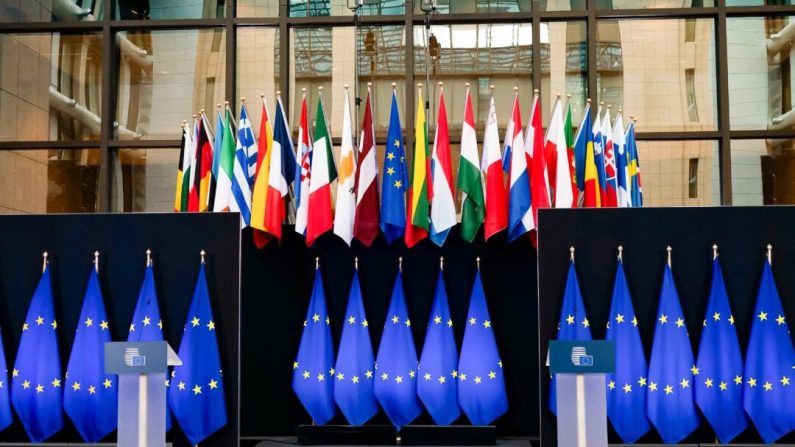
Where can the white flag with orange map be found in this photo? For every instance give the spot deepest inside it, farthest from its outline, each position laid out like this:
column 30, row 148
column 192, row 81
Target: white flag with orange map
column 346, row 194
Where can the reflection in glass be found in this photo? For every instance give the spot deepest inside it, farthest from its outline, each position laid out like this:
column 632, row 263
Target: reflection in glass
column 640, row 4
column 166, row 77
column 257, row 71
column 167, row 9
column 662, row 71
column 757, row 2
column 312, row 8
column 257, row 8
column 469, row 6
column 672, row 170
column 49, row 181
column 763, row 172
column 16, row 11
column 382, row 61
column 760, row 72
column 50, row 87
column 143, row 180
column 564, row 67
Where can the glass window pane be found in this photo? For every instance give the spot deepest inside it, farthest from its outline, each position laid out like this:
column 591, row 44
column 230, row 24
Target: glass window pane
column 167, row 9
column 659, row 71
column 564, row 67
column 257, row 8
column 469, row 6
column 763, row 172
column 668, row 179
column 482, row 55
column 760, row 72
column 757, row 2
column 382, row 61
column 50, row 87
column 166, row 77
column 312, row 8
column 257, row 71
column 143, row 180
column 15, row 11
column 640, row 4
column 49, row 181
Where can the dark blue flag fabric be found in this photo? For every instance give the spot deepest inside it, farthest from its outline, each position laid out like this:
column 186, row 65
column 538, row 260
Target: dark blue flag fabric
column 671, row 407
column 313, row 369
column 90, row 395
column 718, row 387
column 353, row 384
column 393, row 190
column 146, row 324
column 573, row 324
column 769, row 393
column 395, row 388
column 626, row 388
column 6, row 418
column 36, row 388
column 196, row 394
column 437, row 387
column 482, row 396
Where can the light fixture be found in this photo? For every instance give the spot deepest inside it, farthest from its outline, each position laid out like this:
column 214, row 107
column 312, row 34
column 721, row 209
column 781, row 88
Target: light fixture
column 370, row 45
column 427, row 6
column 434, row 48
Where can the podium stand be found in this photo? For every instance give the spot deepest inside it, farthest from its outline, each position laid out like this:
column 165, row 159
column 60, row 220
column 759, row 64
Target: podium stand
column 580, row 368
column 142, row 369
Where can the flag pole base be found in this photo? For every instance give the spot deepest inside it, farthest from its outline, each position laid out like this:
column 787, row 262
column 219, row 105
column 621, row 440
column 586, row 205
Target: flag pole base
column 448, row 435
column 346, row 435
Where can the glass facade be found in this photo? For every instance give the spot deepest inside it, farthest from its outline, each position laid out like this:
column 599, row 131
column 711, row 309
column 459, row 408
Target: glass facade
column 93, row 102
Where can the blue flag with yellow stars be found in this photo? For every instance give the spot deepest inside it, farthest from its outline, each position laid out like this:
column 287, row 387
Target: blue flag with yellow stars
column 718, row 387
column 146, row 324
column 626, row 388
column 438, row 368
column 396, row 364
column 90, row 394
column 36, row 391
column 313, row 369
column 6, row 418
column 573, row 324
column 393, row 190
column 196, row 394
column 769, row 391
column 482, row 396
column 353, row 384
column 672, row 371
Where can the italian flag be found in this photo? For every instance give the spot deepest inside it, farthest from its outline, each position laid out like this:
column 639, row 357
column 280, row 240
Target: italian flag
column 469, row 180
column 320, row 218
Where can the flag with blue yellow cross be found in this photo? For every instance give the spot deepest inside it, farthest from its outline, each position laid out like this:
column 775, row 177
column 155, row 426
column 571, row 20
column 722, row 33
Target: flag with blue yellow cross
column 196, row 394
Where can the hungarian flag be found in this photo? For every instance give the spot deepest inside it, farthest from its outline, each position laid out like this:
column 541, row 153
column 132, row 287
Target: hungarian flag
column 419, row 190
column 320, row 215
column 496, row 196
column 303, row 158
column 366, row 221
column 540, row 175
column 204, row 163
column 282, row 172
column 259, row 197
column 183, row 170
column 469, row 179
column 223, row 191
column 193, row 191
column 346, row 194
column 611, row 187
column 443, row 196
column 556, row 143
column 569, row 133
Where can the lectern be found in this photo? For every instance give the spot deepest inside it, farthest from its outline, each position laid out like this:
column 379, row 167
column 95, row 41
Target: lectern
column 580, row 368
column 142, row 369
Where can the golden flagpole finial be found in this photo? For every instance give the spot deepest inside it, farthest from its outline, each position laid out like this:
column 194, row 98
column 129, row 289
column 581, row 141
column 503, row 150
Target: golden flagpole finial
column 317, row 262
column 400, row 264
column 44, row 262
column 96, row 261
column 356, row 263
column 714, row 251
column 769, row 254
column 477, row 261
column 441, row 262
column 202, row 253
column 669, row 249
column 148, row 257
column 620, row 253
column 571, row 253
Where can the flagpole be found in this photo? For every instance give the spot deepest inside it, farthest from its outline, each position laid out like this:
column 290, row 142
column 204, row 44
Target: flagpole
column 571, row 255
column 714, row 251
column 769, row 254
column 44, row 262
column 148, row 257
column 202, row 253
column 96, row 261
column 400, row 263
column 356, row 263
column 317, row 262
column 441, row 263
column 477, row 262
column 669, row 249
column 620, row 254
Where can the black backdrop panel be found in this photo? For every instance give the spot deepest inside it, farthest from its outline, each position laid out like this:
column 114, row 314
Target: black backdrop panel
column 122, row 240
column 277, row 282
column 740, row 232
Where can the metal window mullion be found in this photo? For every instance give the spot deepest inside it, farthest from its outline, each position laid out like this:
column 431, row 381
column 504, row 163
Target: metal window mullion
column 536, row 54
column 108, row 100
column 722, row 69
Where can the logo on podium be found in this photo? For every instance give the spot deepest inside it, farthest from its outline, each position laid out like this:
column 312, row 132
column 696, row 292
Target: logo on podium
column 580, row 357
column 133, row 357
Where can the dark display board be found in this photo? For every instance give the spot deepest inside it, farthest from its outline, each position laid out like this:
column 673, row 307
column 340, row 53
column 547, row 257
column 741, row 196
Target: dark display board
column 277, row 282
column 122, row 240
column 741, row 233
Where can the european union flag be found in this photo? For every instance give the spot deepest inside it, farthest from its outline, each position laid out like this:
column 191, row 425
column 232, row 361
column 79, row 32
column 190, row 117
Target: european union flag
column 671, row 408
column 313, row 369
column 720, row 365
column 393, row 189
column 396, row 364
column 626, row 388
column 438, row 369
column 36, row 391
column 483, row 396
column 353, row 387
column 6, row 418
column 90, row 394
column 573, row 324
column 769, row 389
column 146, row 323
column 196, row 394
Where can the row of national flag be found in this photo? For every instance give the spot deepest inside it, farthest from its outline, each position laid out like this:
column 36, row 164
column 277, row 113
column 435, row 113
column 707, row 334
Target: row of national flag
column 270, row 180
column 39, row 393
column 676, row 388
column 358, row 382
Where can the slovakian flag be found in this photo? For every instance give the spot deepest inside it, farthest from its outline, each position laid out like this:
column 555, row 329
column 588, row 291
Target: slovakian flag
column 366, row 221
column 303, row 157
column 611, row 186
column 395, row 183
column 223, row 190
column 520, row 213
column 496, row 195
column 320, row 215
column 539, row 166
column 183, row 170
column 346, row 193
column 259, row 195
column 622, row 163
column 420, row 192
column 556, row 144
column 469, row 180
column 584, row 150
column 600, row 140
column 443, row 193
column 204, row 161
